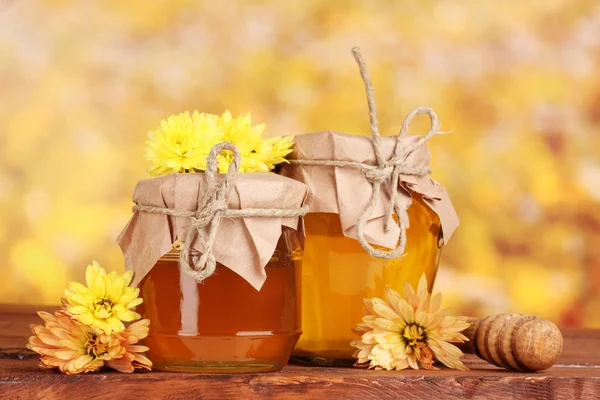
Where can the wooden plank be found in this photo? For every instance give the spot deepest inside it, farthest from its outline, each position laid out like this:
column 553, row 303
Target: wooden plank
column 577, row 376
column 15, row 321
column 19, row 381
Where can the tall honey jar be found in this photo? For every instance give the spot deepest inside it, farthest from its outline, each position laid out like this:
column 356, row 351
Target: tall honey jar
column 217, row 259
column 337, row 271
column 376, row 219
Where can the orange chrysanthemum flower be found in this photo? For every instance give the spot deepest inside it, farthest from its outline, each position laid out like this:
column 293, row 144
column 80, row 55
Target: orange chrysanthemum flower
column 409, row 332
column 75, row 348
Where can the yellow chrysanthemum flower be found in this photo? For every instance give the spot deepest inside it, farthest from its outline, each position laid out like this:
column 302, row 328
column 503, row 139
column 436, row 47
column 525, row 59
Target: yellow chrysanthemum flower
column 75, row 348
column 105, row 302
column 409, row 332
column 182, row 142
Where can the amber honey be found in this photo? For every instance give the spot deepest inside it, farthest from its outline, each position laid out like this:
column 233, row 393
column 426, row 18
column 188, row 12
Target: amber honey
column 338, row 273
column 223, row 324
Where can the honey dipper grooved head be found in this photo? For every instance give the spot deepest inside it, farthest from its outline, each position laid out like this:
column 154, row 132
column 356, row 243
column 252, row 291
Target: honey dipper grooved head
column 515, row 341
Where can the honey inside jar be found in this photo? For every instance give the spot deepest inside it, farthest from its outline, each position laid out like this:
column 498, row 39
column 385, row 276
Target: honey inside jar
column 338, row 273
column 223, row 324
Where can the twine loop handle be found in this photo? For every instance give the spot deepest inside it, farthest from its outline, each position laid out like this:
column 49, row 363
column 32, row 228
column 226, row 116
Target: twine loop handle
column 205, row 221
column 389, row 169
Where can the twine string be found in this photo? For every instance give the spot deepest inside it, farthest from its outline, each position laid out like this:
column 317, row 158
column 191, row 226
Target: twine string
column 385, row 170
column 205, row 221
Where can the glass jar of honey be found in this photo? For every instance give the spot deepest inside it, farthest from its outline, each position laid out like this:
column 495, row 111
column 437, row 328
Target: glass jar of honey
column 217, row 259
column 338, row 270
column 223, row 324
column 376, row 220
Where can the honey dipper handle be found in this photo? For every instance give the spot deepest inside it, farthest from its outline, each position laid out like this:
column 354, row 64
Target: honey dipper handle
column 514, row 341
column 469, row 347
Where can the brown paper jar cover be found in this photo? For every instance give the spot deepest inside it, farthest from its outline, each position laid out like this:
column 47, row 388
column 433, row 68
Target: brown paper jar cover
column 346, row 191
column 244, row 244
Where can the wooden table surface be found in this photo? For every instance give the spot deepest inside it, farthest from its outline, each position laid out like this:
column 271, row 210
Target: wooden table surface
column 575, row 376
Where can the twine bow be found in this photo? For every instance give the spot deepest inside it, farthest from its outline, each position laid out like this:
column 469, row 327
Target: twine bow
column 205, row 221
column 385, row 170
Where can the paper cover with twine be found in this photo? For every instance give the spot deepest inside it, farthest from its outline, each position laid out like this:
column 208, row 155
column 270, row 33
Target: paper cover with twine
column 368, row 180
column 346, row 191
column 244, row 244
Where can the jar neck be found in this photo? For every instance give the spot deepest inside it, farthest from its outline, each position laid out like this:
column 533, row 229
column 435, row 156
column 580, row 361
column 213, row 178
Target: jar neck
column 288, row 248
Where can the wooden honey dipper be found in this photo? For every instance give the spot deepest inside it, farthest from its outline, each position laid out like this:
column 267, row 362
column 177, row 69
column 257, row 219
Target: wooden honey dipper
column 514, row 341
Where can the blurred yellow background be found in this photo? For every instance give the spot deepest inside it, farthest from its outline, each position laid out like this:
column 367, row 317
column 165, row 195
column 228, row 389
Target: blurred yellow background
column 518, row 83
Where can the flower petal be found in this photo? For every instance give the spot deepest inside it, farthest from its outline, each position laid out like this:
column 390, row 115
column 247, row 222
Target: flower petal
column 422, row 287
column 384, row 310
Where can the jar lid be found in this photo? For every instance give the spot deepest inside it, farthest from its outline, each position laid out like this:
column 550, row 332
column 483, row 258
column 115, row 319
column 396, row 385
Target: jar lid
column 254, row 208
column 347, row 190
column 368, row 180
